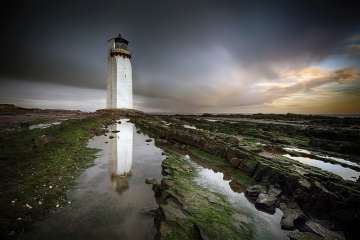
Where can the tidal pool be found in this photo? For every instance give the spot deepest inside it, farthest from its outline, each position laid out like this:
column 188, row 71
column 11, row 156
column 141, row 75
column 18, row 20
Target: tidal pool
column 344, row 172
column 110, row 200
column 189, row 127
column 265, row 225
column 337, row 159
column 43, row 125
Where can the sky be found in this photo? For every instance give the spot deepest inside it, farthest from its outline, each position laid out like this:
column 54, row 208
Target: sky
column 187, row 56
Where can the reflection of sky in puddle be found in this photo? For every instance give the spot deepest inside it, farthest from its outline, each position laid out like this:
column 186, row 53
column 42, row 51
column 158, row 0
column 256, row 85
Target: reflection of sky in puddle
column 340, row 160
column 266, row 226
column 43, row 125
column 297, row 150
column 121, row 148
column 104, row 204
column 189, row 127
column 211, row 120
column 345, row 173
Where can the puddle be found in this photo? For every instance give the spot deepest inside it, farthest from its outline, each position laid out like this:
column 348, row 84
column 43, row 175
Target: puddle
column 43, row 125
column 337, row 159
column 166, row 123
column 295, row 149
column 189, row 127
column 110, row 199
column 265, row 226
column 260, row 144
column 345, row 173
column 340, row 160
column 212, row 120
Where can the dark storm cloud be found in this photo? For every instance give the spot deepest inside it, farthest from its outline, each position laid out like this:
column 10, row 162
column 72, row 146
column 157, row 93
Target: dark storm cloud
column 181, row 49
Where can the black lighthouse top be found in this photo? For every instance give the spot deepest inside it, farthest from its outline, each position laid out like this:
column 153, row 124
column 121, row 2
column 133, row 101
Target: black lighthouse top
column 120, row 39
column 119, row 47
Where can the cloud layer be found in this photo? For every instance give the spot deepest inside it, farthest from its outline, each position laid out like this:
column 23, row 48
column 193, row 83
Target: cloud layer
column 188, row 56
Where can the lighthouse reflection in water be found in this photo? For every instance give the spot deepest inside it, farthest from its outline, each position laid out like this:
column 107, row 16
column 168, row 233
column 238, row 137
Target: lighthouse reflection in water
column 121, row 154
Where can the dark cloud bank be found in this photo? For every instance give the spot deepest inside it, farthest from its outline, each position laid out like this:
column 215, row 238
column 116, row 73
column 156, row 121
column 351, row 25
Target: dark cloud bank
column 184, row 52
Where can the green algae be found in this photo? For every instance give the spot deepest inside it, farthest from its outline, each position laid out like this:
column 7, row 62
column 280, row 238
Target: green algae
column 191, row 211
column 39, row 166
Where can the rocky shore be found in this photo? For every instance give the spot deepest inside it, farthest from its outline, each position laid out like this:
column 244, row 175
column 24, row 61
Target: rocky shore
column 314, row 202
column 254, row 155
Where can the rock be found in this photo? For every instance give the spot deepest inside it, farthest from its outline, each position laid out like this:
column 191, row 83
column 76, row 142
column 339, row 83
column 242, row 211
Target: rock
column 274, row 191
column 199, row 232
column 253, row 192
column 111, row 137
column 296, row 235
column 314, row 227
column 115, row 131
column 151, row 181
column 235, row 162
column 150, row 212
column 148, row 140
column 266, row 202
column 43, row 140
column 305, row 183
column 290, row 215
column 161, row 141
column 172, row 212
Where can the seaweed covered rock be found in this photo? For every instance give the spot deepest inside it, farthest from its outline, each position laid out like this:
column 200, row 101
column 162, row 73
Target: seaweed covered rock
column 189, row 211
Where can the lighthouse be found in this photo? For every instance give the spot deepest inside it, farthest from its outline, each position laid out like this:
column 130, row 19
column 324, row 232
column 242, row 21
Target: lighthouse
column 119, row 74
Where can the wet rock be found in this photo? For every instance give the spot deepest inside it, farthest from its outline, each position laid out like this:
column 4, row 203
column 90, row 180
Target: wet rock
column 172, row 212
column 115, row 131
column 161, row 141
column 235, row 162
column 317, row 228
column 253, row 192
column 303, row 236
column 151, row 181
column 274, row 191
column 43, row 140
column 111, row 137
column 199, row 233
column 266, row 202
column 150, row 212
column 291, row 213
column 148, row 140
column 248, row 166
column 305, row 183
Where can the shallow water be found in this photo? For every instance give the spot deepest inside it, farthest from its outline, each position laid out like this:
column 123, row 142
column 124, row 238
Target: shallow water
column 110, row 199
column 190, row 127
column 337, row 159
column 265, row 226
column 344, row 172
column 295, row 149
column 43, row 125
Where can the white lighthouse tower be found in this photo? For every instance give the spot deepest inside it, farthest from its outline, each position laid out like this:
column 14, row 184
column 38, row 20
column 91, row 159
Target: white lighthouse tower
column 119, row 75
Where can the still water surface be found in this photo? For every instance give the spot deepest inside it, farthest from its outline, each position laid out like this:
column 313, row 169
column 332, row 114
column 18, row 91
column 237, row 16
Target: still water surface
column 110, row 199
